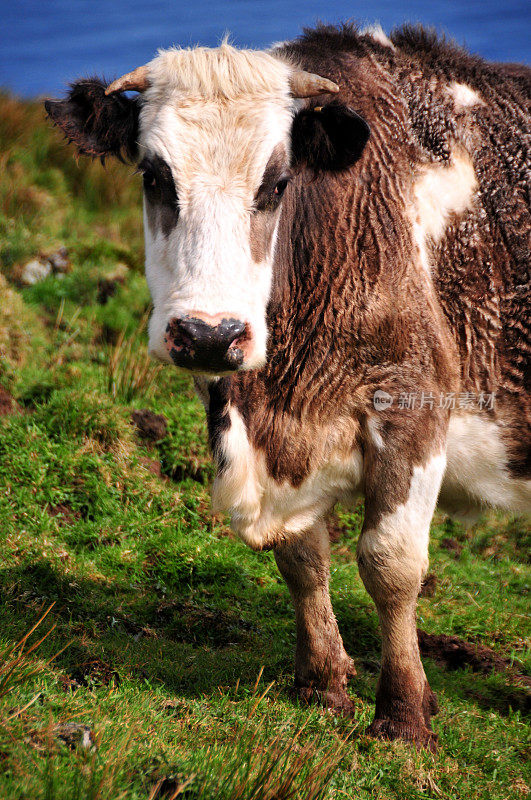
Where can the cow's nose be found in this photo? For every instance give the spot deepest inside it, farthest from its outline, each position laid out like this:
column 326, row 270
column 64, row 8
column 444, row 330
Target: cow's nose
column 194, row 344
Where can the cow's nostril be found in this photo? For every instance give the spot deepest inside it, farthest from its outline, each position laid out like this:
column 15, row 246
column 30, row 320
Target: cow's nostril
column 195, row 344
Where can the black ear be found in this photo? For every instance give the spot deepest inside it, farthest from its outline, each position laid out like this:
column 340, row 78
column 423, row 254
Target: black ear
column 330, row 137
column 99, row 125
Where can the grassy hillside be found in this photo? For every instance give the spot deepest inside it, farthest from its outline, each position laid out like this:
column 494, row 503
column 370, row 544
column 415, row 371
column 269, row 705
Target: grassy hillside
column 179, row 640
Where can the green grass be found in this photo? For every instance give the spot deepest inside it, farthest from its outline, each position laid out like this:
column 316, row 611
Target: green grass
column 168, row 618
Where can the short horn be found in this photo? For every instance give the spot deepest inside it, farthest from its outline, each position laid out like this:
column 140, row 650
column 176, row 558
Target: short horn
column 135, row 81
column 306, row 84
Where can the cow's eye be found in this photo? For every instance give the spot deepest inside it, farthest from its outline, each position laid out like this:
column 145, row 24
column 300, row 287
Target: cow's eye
column 279, row 189
column 149, row 179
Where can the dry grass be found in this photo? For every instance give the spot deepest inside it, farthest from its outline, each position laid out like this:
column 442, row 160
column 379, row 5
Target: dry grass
column 130, row 370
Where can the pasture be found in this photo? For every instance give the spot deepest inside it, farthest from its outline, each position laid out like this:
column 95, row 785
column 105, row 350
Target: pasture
column 167, row 663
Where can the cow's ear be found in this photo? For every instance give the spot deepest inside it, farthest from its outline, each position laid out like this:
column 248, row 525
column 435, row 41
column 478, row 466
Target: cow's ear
column 99, row 125
column 330, row 137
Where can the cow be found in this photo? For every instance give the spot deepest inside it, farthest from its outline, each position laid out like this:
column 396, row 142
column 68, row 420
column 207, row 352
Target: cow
column 337, row 248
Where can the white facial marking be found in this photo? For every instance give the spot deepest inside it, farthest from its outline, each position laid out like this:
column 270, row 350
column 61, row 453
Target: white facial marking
column 476, row 474
column 463, row 96
column 439, row 192
column 263, row 510
column 214, row 117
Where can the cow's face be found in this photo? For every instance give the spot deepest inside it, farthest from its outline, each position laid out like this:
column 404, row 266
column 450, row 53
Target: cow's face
column 216, row 134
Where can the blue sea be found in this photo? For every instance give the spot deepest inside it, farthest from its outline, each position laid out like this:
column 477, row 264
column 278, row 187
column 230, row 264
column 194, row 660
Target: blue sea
column 44, row 45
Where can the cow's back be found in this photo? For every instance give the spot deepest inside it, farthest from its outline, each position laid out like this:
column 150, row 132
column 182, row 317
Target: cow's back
column 481, row 263
column 456, row 119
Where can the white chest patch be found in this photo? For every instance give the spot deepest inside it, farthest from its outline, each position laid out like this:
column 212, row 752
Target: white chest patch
column 262, row 509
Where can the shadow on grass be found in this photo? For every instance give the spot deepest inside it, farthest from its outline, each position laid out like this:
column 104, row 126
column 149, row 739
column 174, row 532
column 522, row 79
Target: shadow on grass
column 192, row 646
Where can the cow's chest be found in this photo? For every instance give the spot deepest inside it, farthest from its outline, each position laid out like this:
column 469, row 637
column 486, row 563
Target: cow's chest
column 263, row 509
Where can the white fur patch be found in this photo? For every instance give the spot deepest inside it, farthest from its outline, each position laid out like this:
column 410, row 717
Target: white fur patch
column 223, row 72
column 377, row 33
column 439, row 192
column 263, row 510
column 374, row 432
column 463, row 96
column 215, row 117
column 399, row 542
column 476, row 475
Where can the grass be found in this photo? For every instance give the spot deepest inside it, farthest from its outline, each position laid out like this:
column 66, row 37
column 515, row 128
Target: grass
column 168, row 618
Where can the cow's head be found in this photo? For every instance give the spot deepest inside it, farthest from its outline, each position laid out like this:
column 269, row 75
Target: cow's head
column 217, row 134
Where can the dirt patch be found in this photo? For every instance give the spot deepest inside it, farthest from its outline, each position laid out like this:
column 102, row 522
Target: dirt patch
column 74, row 735
column 7, row 404
column 151, row 427
column 453, row 546
column 335, row 531
column 108, row 284
column 67, row 684
column 429, row 585
column 152, row 465
column 64, row 512
column 201, row 625
column 455, row 653
column 94, row 671
column 181, row 472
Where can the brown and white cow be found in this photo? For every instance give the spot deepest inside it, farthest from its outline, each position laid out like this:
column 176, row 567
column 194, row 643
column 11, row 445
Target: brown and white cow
column 358, row 304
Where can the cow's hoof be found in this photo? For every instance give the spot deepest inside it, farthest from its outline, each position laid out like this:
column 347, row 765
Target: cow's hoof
column 336, row 700
column 430, row 706
column 417, row 733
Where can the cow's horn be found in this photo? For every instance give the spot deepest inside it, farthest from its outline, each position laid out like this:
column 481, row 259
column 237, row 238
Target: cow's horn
column 306, row 84
column 135, row 81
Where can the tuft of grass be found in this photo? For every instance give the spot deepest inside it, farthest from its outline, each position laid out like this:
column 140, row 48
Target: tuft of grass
column 79, row 414
column 16, row 666
column 130, row 371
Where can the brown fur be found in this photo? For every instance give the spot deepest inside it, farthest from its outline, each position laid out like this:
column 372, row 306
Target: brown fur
column 322, row 666
column 349, row 311
column 352, row 312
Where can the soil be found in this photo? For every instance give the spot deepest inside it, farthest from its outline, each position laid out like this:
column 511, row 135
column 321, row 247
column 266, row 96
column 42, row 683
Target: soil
column 429, row 584
column 65, row 512
column 456, row 653
column 7, row 404
column 453, row 546
column 151, row 427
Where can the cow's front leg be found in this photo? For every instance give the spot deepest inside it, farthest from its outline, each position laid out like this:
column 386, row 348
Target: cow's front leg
column 322, row 666
column 392, row 558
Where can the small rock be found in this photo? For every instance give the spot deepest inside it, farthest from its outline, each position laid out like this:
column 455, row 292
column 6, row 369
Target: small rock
column 150, row 426
column 59, row 260
column 73, row 734
column 35, row 271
